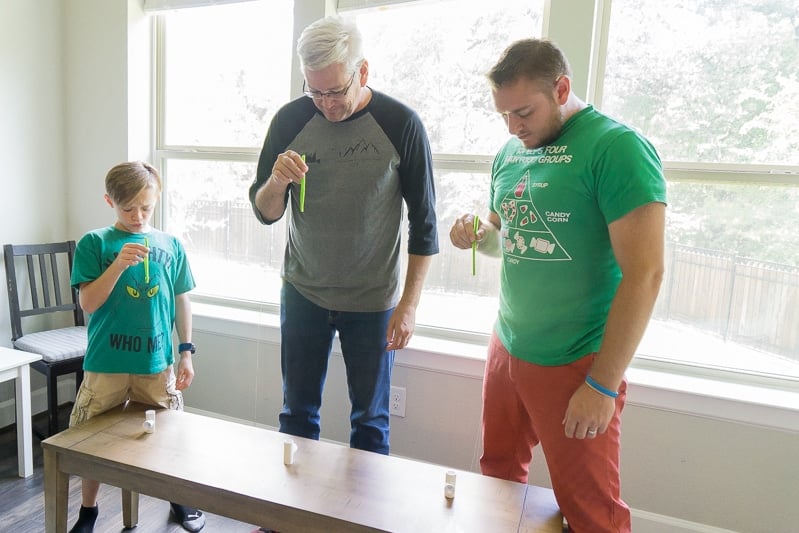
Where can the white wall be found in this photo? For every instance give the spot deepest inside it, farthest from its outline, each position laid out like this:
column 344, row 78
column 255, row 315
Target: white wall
column 66, row 77
column 32, row 124
column 68, row 106
column 97, row 86
column 32, row 204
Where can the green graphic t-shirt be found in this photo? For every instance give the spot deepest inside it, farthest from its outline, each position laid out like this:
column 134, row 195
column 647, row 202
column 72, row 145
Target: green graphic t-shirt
column 559, row 274
column 131, row 332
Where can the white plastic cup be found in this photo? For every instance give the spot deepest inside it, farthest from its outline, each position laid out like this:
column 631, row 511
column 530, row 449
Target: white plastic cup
column 289, row 447
column 449, row 484
column 149, row 421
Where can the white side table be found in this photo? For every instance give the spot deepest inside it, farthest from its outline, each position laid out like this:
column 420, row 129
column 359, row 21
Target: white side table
column 14, row 365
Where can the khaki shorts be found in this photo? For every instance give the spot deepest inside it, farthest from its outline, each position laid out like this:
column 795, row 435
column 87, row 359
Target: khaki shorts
column 100, row 392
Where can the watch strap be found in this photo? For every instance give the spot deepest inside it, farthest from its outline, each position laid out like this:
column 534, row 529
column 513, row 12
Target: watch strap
column 186, row 347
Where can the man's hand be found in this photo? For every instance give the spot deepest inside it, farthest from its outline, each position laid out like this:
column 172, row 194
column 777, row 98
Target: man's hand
column 289, row 167
column 400, row 327
column 588, row 413
column 462, row 233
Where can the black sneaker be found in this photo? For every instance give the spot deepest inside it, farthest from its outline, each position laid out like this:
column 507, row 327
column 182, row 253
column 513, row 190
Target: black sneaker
column 86, row 519
column 191, row 519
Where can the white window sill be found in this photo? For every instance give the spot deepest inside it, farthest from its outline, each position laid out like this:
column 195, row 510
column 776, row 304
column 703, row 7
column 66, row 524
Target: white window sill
column 657, row 389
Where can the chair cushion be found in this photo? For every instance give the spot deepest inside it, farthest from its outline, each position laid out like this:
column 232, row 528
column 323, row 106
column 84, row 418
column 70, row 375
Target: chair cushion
column 55, row 344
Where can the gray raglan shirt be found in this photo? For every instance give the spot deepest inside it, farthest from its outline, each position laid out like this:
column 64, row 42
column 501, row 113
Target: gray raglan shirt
column 343, row 251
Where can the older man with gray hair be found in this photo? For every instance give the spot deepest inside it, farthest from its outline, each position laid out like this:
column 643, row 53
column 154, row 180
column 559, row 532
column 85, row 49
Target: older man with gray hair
column 343, row 159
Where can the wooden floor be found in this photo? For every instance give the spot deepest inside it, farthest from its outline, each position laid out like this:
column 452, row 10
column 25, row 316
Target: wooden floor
column 22, row 500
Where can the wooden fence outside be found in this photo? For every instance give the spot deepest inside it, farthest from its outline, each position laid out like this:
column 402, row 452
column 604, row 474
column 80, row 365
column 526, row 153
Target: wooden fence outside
column 744, row 300
column 747, row 301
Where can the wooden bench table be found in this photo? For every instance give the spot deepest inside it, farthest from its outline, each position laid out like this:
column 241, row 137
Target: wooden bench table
column 237, row 471
column 15, row 364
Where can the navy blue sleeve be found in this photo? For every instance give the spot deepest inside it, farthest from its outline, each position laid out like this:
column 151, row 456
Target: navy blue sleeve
column 287, row 123
column 408, row 135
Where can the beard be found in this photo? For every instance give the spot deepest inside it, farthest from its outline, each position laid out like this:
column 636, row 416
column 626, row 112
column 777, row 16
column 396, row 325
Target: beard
column 548, row 132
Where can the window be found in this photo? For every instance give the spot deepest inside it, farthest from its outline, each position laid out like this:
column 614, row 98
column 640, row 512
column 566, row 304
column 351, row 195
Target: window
column 226, row 72
column 439, row 70
column 232, row 254
column 220, row 89
column 223, row 71
column 708, row 81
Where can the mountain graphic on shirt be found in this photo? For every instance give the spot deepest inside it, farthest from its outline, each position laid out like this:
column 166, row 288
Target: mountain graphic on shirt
column 361, row 148
column 525, row 235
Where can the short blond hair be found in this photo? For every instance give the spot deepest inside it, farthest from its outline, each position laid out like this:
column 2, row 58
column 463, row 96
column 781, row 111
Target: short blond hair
column 126, row 181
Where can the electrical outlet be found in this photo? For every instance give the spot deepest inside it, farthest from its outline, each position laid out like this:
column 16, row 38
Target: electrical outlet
column 396, row 405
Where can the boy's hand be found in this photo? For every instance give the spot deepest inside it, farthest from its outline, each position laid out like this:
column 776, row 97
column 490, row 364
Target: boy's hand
column 185, row 373
column 131, row 254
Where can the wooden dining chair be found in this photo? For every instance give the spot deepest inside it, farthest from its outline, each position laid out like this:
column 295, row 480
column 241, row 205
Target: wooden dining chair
column 41, row 286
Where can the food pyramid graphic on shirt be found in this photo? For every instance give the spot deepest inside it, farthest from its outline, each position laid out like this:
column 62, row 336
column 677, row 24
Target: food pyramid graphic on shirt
column 526, row 235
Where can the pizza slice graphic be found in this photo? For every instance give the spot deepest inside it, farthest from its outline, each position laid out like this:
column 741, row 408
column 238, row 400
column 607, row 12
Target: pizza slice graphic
column 525, row 234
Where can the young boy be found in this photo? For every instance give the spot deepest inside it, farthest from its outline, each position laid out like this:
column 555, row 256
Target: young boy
column 134, row 282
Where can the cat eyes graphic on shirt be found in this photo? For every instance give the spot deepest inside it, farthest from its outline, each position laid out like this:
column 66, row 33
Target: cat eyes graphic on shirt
column 143, row 290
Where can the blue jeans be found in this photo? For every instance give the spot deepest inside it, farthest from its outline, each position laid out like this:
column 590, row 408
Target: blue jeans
column 306, row 332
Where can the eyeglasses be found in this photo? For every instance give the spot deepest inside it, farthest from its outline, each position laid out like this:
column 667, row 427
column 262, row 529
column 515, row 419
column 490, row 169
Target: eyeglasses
column 333, row 95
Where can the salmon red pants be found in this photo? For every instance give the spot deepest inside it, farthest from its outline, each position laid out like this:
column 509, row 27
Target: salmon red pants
column 524, row 405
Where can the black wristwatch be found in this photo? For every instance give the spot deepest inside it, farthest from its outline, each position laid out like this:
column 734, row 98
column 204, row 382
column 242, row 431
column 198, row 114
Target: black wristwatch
column 186, row 347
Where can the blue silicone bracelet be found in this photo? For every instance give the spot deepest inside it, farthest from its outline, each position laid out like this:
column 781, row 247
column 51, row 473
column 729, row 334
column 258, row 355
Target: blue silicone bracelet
column 599, row 388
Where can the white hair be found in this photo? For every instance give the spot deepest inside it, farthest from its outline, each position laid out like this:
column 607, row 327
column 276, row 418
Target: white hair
column 328, row 41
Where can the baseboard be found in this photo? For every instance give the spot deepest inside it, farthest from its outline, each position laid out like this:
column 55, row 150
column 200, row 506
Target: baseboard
column 8, row 408
column 646, row 522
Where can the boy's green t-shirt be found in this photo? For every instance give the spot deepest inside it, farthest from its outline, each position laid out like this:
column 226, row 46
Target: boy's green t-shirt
column 559, row 273
column 131, row 332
